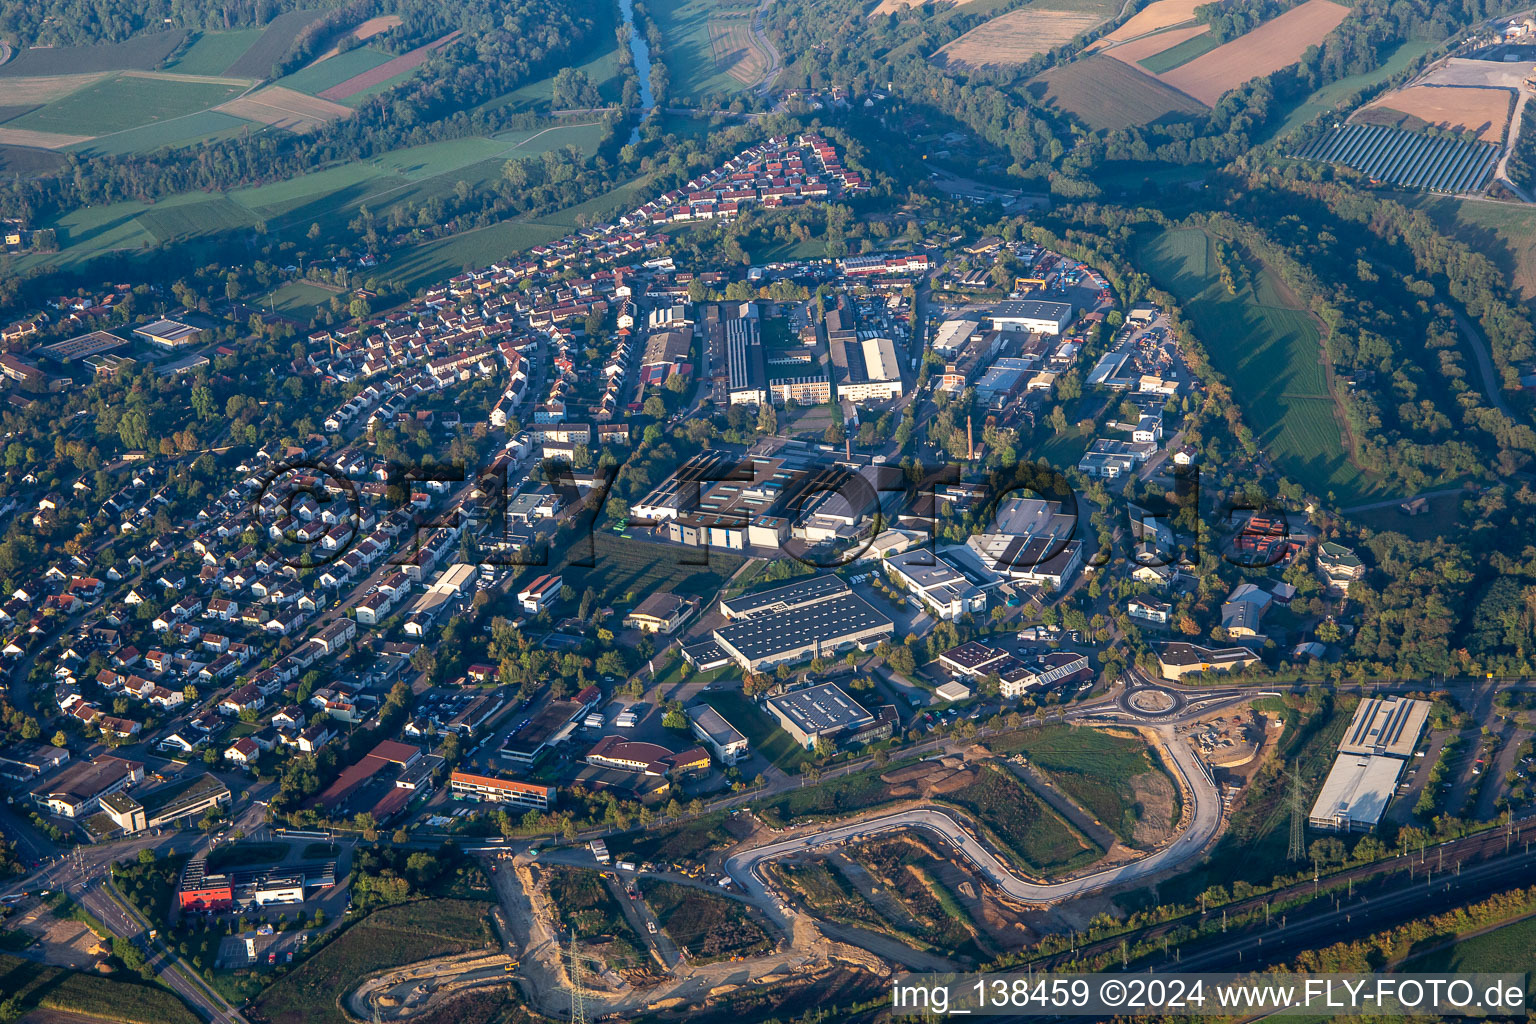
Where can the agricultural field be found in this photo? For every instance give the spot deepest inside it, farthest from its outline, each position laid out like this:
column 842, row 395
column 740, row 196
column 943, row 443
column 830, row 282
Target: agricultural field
column 1111, row 777
column 1155, row 17
column 126, row 101
column 583, row 906
column 1504, row 232
column 1139, row 51
column 331, row 72
column 1330, row 96
column 735, row 49
column 269, row 47
column 1015, row 37
column 1476, row 113
column 386, row 72
column 140, row 53
column 22, row 94
column 1038, row 839
column 34, row 987
column 1407, row 159
column 1192, row 45
column 1271, row 354
column 328, row 197
column 212, row 53
column 689, row 47
column 279, row 107
column 1106, row 94
column 1276, row 44
column 760, row 729
column 190, row 129
column 386, row 938
column 709, row 927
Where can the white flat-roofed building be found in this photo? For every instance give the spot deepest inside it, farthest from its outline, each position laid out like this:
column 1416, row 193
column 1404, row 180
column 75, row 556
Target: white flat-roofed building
column 938, row 584
column 168, row 333
column 817, row 712
column 954, row 335
column 1356, row 793
column 1386, row 726
column 1039, row 315
column 719, row 735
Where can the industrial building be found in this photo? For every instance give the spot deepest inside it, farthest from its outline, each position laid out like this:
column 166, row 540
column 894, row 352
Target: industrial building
column 77, row 790
column 719, row 735
column 1376, row 747
column 813, row 629
column 1386, row 725
column 662, row 613
column 824, row 711
column 1038, row 315
column 746, row 367
column 1356, row 793
column 941, row 587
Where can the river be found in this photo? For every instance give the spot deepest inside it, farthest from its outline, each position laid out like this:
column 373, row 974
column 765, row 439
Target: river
column 640, row 51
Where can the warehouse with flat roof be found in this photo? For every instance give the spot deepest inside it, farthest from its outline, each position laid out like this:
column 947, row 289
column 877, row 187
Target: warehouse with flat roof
column 1038, row 315
column 1386, row 725
column 818, row 712
column 1356, row 793
column 816, row 630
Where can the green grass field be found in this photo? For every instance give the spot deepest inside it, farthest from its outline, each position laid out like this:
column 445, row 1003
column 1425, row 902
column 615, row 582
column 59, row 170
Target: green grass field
column 386, row 938
column 300, row 298
column 332, row 197
column 1183, row 53
column 1270, row 354
column 121, row 102
column 1034, row 834
column 761, row 731
column 213, row 52
column 188, row 130
column 1507, row 950
column 1335, row 92
column 1093, row 767
column 332, row 71
column 1504, row 232
column 687, row 50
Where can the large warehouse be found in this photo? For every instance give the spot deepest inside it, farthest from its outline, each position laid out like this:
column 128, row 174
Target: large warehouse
column 1356, row 793
column 817, row 629
column 1038, row 315
column 1375, row 749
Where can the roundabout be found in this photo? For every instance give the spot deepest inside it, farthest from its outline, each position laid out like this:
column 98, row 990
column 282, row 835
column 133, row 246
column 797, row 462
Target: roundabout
column 1152, row 702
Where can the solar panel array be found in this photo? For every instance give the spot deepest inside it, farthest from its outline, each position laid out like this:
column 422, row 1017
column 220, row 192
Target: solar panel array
column 1406, row 159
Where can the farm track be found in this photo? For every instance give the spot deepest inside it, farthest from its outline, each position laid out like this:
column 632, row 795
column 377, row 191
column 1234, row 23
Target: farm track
column 168, row 76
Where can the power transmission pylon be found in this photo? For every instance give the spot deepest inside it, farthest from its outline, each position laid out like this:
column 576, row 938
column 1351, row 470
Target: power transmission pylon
column 578, row 998
column 1297, row 849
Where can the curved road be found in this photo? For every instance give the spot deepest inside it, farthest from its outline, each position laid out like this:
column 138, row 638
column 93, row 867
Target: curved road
column 1205, row 820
